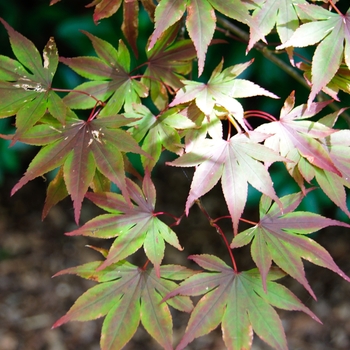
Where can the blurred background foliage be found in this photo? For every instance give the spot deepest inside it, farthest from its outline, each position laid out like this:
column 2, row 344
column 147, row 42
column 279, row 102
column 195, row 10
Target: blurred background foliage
column 38, row 21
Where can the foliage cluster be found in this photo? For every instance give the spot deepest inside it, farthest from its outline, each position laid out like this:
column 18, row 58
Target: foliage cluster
column 161, row 104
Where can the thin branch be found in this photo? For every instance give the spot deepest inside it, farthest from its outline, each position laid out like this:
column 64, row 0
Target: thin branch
column 273, row 57
column 219, row 231
column 269, row 54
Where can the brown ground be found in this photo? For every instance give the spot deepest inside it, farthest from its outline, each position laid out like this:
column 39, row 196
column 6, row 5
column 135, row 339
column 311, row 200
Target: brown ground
column 31, row 251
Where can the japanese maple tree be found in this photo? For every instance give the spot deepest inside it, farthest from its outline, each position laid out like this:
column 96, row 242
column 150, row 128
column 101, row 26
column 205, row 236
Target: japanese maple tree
column 161, row 102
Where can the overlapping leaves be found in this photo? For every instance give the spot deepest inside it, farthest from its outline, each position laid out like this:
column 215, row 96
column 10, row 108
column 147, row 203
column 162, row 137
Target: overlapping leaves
column 302, row 142
column 221, row 90
column 281, row 238
column 280, row 13
column 331, row 31
column 237, row 162
column 200, row 20
column 157, row 132
column 127, row 295
column 133, row 226
column 167, row 63
column 110, row 77
column 80, row 147
column 238, row 302
column 25, row 85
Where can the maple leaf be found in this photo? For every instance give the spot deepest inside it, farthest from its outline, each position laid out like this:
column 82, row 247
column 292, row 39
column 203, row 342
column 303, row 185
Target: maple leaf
column 134, row 226
column 104, row 8
column 110, row 77
column 333, row 184
column 304, row 144
column 282, row 13
column 221, row 90
column 200, row 20
column 157, row 132
column 81, row 147
column 127, row 295
column 331, row 31
column 340, row 81
column 281, row 238
column 25, row 85
column 237, row 162
column 167, row 62
column 238, row 302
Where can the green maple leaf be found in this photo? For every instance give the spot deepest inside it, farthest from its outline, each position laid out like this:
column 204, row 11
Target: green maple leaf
column 221, row 91
column 237, row 162
column 333, row 184
column 280, row 13
column 127, row 295
column 110, row 77
column 157, row 132
column 331, row 31
column 25, row 85
column 80, row 147
column 303, row 143
column 340, row 81
column 200, row 20
column 134, row 225
column 167, row 62
column 238, row 302
column 281, row 238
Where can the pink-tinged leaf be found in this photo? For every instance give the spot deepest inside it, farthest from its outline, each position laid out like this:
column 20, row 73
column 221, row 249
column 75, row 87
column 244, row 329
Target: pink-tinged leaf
column 127, row 295
column 296, row 138
column 210, row 262
column 238, row 302
column 97, row 301
column 89, row 271
column 245, row 88
column 235, row 189
column 206, row 316
column 130, row 23
column 122, row 320
column 167, row 13
column 238, row 162
column 233, row 10
column 331, row 30
column 188, row 93
column 168, row 62
column 47, row 159
column 104, row 8
column 200, row 23
column 333, row 186
column 134, row 225
column 221, row 92
column 279, row 237
column 210, row 170
column 156, row 317
column 81, row 146
column 79, row 169
column 103, row 226
column 281, row 13
column 326, row 60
